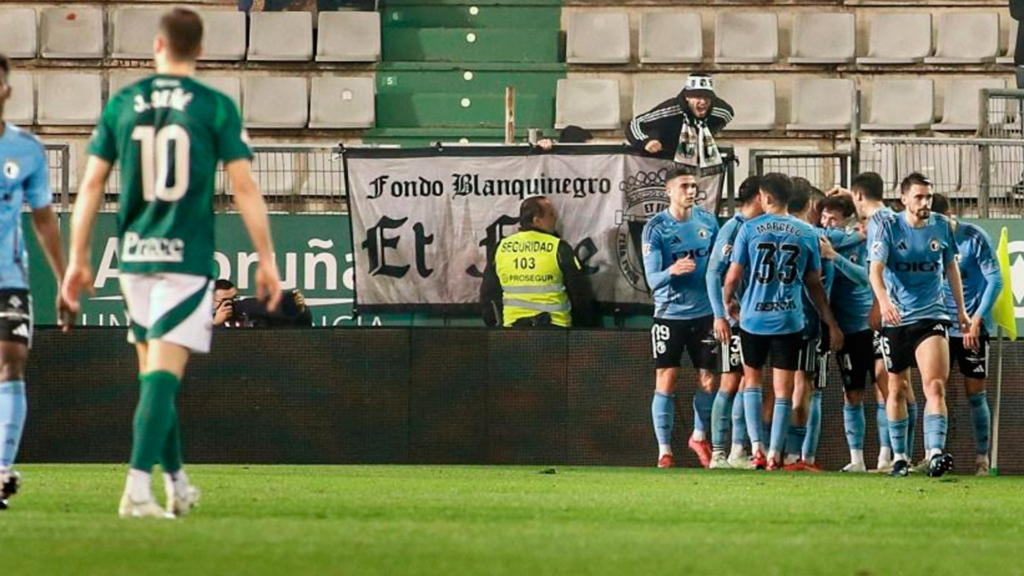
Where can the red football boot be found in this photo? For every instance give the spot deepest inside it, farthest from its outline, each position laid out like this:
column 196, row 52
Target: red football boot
column 812, row 466
column 666, row 461
column 797, row 466
column 774, row 464
column 702, row 450
column 758, row 461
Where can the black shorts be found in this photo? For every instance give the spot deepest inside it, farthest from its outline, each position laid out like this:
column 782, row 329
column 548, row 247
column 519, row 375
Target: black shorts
column 669, row 338
column 730, row 356
column 16, row 316
column 784, row 349
column 972, row 364
column 814, row 355
column 876, row 343
column 856, row 359
column 899, row 344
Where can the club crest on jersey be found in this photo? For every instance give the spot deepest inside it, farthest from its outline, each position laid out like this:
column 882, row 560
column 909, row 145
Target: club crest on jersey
column 876, row 249
column 727, row 250
column 647, row 248
column 702, row 234
column 934, row 244
column 11, row 169
column 644, row 197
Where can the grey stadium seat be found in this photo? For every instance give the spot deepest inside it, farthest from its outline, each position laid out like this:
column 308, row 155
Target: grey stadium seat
column 223, row 35
column 75, row 32
column 649, row 92
column 121, row 79
column 133, row 30
column 671, row 37
column 901, row 104
column 69, row 99
column 746, row 38
column 821, row 104
column 1011, row 44
column 961, row 109
column 597, row 38
column 966, row 38
column 231, row 86
column 823, row 38
column 18, row 32
column 275, row 102
column 281, row 36
column 342, row 103
column 21, row 108
column 752, row 99
column 590, row 103
column 899, row 38
column 348, row 37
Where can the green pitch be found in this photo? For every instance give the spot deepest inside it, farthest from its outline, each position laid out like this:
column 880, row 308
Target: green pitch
column 518, row 520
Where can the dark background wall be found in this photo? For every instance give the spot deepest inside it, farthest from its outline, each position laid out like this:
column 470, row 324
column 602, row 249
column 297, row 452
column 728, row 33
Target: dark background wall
column 414, row 395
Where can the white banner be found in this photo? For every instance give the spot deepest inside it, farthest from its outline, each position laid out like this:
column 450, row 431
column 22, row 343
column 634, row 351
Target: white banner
column 424, row 224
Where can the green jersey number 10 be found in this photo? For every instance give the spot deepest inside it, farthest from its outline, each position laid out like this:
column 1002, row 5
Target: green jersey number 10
column 155, row 155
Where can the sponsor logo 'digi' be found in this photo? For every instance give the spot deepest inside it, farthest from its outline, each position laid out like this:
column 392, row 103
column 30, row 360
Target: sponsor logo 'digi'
column 644, row 197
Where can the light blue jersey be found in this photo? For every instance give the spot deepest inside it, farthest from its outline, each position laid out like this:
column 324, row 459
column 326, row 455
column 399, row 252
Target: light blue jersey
column 851, row 297
column 979, row 271
column 915, row 260
column 666, row 240
column 874, row 223
column 719, row 266
column 813, row 327
column 24, row 178
column 775, row 251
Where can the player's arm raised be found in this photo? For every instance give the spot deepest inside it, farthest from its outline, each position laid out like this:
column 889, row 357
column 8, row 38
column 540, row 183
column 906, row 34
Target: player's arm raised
column 254, row 214
column 90, row 194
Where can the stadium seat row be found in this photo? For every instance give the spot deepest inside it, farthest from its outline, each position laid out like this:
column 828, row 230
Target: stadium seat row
column 817, row 38
column 78, row 33
column 266, row 101
column 816, row 104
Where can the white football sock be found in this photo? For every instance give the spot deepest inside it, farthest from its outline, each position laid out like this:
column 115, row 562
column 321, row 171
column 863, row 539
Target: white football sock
column 737, row 451
column 698, row 436
column 664, row 449
column 138, row 486
column 857, row 457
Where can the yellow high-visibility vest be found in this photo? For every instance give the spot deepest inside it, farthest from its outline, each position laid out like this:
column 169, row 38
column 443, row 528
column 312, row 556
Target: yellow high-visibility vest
column 531, row 280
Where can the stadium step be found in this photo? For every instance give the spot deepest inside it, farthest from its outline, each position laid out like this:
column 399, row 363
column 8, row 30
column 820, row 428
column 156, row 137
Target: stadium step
column 475, row 15
column 471, row 45
column 419, row 137
column 455, row 110
column 467, row 81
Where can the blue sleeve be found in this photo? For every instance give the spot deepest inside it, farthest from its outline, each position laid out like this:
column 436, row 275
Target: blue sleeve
column 858, row 274
column 37, row 185
column 950, row 251
column 990, row 270
column 656, row 277
column 740, row 256
column 840, row 239
column 879, row 248
column 813, row 254
column 717, row 267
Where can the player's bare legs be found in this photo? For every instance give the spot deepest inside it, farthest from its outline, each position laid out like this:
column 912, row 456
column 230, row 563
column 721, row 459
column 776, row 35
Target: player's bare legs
column 13, row 357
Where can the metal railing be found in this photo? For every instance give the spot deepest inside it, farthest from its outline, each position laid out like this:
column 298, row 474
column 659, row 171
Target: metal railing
column 1001, row 114
column 294, row 179
column 982, row 177
column 58, row 160
column 822, row 169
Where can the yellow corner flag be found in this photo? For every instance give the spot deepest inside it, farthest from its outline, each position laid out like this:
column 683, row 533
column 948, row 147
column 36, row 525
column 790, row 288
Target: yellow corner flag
column 1003, row 311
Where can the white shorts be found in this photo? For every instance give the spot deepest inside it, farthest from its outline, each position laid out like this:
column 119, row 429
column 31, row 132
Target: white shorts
column 175, row 308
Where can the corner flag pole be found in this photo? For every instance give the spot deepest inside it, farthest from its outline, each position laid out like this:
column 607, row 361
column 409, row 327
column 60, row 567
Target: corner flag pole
column 994, row 469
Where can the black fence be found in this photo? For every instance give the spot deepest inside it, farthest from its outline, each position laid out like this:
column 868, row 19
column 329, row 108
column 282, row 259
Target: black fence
column 414, row 395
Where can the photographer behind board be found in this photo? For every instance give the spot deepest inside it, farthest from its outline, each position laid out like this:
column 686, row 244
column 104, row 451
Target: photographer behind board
column 230, row 311
column 534, row 278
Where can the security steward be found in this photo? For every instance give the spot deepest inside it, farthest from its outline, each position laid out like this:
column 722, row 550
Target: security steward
column 535, row 279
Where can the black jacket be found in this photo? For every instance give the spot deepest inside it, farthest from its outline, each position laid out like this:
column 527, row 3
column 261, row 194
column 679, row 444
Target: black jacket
column 664, row 122
column 577, row 285
column 1017, row 9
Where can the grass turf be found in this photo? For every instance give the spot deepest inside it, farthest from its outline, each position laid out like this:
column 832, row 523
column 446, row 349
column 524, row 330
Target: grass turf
column 518, row 520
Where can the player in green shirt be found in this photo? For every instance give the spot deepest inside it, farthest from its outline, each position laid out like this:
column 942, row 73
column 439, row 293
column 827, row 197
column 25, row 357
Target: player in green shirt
column 167, row 133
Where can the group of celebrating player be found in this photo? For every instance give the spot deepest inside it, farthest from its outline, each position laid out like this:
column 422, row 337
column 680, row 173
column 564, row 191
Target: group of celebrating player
column 797, row 275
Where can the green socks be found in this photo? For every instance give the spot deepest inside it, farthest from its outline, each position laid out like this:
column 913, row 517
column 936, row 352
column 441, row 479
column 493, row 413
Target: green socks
column 155, row 433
